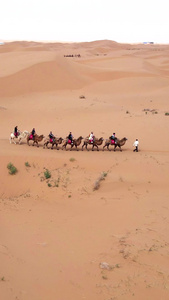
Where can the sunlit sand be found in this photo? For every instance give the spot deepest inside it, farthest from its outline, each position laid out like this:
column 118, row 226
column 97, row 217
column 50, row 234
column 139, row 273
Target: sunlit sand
column 85, row 224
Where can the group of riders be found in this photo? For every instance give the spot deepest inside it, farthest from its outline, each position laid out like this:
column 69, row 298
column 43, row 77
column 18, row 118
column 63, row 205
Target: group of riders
column 31, row 136
column 69, row 137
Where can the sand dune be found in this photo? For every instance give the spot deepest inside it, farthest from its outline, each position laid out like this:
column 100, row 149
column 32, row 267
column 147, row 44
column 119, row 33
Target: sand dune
column 43, row 77
column 98, row 227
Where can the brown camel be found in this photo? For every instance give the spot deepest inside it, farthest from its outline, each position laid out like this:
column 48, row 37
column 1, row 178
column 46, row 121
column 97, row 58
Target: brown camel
column 96, row 142
column 119, row 143
column 56, row 141
column 37, row 138
column 75, row 142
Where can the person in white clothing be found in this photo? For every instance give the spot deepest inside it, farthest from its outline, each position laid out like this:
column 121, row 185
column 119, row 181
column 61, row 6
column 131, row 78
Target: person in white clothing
column 136, row 143
column 91, row 137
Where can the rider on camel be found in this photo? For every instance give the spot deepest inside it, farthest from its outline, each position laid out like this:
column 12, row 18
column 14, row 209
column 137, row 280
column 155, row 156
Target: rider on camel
column 70, row 137
column 33, row 133
column 91, row 137
column 16, row 131
column 51, row 136
column 113, row 138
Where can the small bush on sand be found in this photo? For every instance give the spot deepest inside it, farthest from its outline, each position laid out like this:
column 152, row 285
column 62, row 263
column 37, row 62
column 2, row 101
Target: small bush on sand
column 167, row 114
column 27, row 164
column 97, row 182
column 82, row 97
column 12, row 169
column 72, row 159
column 47, row 174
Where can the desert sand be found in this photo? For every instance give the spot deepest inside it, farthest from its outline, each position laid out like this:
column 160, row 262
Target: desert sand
column 60, row 237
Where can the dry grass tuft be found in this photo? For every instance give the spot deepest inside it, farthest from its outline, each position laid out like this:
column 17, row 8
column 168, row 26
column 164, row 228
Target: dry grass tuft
column 98, row 181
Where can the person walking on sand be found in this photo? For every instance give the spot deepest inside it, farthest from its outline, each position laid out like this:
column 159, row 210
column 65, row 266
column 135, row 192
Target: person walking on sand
column 136, row 143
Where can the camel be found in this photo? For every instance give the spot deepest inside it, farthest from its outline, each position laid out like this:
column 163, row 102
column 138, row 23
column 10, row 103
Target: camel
column 96, row 143
column 119, row 143
column 75, row 142
column 21, row 136
column 37, row 138
column 56, row 141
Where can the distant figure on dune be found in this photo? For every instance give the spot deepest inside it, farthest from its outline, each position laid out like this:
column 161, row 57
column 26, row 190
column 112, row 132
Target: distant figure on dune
column 136, row 143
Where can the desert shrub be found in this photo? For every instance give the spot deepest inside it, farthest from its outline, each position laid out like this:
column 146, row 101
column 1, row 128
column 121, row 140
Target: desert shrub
column 97, row 182
column 82, row 97
column 27, row 164
column 12, row 169
column 104, row 174
column 167, row 114
column 56, row 184
column 47, row 174
column 72, row 159
column 49, row 185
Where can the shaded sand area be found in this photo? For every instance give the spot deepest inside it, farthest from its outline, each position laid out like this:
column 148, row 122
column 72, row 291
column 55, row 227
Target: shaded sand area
column 97, row 229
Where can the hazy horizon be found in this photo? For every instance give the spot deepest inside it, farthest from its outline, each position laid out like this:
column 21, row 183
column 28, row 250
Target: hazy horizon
column 85, row 21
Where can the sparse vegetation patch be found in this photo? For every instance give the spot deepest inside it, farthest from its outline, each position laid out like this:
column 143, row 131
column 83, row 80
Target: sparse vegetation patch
column 153, row 111
column 82, row 97
column 72, row 159
column 47, row 174
column 3, row 278
column 12, row 169
column 98, row 181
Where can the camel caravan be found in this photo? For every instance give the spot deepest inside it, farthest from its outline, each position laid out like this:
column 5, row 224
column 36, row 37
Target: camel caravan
column 69, row 142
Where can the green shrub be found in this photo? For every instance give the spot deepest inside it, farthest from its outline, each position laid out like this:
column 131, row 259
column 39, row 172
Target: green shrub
column 27, row 164
column 47, row 174
column 12, row 169
column 167, row 114
column 72, row 159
